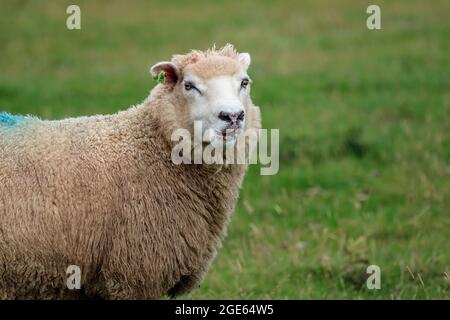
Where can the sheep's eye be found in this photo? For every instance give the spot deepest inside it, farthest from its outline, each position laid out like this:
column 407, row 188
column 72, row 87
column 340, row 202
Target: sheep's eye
column 188, row 86
column 245, row 83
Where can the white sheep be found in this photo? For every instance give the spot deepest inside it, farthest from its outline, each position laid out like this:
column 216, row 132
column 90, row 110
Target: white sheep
column 102, row 192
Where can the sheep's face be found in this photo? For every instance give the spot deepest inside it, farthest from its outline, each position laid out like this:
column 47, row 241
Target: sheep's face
column 215, row 92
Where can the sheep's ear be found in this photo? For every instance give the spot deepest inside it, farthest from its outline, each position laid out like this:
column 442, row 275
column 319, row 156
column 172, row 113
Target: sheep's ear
column 245, row 60
column 169, row 71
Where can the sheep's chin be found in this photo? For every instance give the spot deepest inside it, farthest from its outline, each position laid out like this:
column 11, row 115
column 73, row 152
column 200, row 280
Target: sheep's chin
column 218, row 141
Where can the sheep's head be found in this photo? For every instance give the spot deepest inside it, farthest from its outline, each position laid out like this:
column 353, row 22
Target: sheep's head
column 211, row 87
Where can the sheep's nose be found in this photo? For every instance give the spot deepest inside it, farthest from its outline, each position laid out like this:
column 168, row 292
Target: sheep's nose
column 232, row 117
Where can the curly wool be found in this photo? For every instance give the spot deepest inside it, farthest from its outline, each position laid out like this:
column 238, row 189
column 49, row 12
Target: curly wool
column 102, row 193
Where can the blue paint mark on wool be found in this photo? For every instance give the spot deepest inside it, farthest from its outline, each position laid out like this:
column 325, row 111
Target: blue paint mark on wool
column 7, row 119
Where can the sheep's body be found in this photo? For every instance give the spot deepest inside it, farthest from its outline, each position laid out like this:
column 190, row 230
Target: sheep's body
column 94, row 193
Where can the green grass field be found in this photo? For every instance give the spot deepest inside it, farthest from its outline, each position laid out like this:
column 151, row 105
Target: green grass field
column 364, row 119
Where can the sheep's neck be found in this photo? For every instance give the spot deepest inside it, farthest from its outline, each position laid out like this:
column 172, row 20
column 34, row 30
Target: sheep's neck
column 218, row 184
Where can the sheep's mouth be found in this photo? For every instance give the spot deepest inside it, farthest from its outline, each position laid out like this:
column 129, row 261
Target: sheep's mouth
column 227, row 134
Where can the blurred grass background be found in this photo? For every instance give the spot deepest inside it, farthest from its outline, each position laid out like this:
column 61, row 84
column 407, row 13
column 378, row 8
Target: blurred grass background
column 363, row 118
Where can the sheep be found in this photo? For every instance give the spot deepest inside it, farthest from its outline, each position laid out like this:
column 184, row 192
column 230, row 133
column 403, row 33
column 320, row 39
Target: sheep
column 102, row 193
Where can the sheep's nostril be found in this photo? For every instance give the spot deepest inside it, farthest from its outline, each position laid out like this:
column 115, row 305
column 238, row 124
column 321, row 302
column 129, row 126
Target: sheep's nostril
column 225, row 116
column 231, row 117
